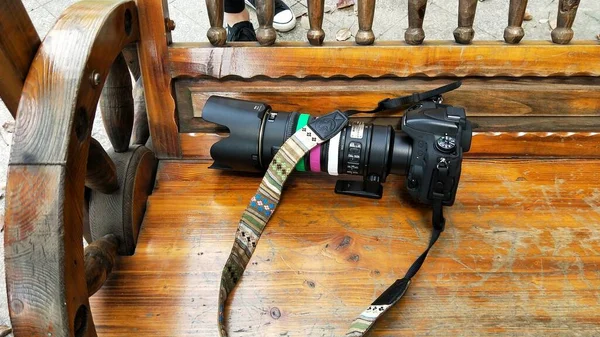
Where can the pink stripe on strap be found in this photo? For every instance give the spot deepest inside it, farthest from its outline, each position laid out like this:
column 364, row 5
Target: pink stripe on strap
column 315, row 158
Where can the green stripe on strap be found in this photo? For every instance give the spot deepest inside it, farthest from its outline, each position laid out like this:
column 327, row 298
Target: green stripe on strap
column 302, row 121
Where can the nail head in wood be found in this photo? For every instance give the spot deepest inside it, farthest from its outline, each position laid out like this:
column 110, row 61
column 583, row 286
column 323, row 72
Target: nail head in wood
column 95, row 78
column 170, row 24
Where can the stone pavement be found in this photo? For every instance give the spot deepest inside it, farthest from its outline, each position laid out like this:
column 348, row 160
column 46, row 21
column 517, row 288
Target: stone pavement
column 389, row 24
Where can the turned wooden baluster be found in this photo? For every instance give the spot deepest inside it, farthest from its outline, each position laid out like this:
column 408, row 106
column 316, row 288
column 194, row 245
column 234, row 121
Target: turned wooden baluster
column 265, row 10
column 316, row 34
column 141, row 132
column 101, row 174
column 416, row 13
column 216, row 33
column 116, row 104
column 366, row 12
column 567, row 9
column 466, row 15
column 514, row 32
column 130, row 53
column 99, row 260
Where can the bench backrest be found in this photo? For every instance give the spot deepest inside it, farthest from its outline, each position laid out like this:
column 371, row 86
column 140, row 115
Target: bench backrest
column 532, row 98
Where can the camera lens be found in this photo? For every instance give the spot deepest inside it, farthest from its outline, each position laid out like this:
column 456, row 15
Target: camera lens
column 359, row 149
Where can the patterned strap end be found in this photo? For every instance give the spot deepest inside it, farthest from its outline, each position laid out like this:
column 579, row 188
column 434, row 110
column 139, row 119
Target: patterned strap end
column 365, row 321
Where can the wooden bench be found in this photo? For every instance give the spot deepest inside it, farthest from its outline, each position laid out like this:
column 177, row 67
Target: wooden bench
column 520, row 254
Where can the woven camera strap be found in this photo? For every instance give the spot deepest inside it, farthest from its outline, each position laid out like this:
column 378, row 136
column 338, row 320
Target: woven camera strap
column 263, row 204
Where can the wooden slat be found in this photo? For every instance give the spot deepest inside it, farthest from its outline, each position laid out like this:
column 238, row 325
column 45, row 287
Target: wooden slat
column 154, row 65
column 485, row 144
column 440, row 58
column 573, row 104
column 45, row 190
column 19, row 42
column 519, row 257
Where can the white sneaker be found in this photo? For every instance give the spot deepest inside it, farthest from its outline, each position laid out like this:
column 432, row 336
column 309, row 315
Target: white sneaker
column 284, row 19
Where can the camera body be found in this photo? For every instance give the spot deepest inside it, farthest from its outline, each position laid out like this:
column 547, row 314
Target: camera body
column 428, row 149
column 440, row 134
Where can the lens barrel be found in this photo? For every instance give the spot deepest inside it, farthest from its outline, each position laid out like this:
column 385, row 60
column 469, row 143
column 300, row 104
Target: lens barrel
column 359, row 149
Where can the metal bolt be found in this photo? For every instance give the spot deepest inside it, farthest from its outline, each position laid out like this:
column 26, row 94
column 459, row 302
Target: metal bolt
column 170, row 24
column 95, row 78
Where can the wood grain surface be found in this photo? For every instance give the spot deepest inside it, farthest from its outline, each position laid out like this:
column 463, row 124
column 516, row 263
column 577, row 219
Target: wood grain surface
column 19, row 42
column 439, row 58
column 485, row 144
column 153, row 55
column 550, row 104
column 45, row 190
column 519, row 257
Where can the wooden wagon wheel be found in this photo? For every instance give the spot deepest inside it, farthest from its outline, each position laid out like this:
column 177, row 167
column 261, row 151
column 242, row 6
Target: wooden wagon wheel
column 48, row 278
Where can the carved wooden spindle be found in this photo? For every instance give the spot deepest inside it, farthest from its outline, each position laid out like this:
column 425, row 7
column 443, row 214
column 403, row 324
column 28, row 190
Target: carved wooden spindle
column 99, row 260
column 466, row 15
column 366, row 12
column 141, row 132
column 116, row 104
column 130, row 53
column 416, row 13
column 216, row 33
column 567, row 9
column 265, row 10
column 316, row 34
column 514, row 32
column 101, row 172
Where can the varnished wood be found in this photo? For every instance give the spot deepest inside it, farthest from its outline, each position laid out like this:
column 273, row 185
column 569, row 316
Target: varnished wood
column 101, row 173
column 130, row 53
column 316, row 34
column 141, row 132
column 498, row 97
column 43, row 225
column 121, row 213
column 563, row 33
column 153, row 54
column 514, row 33
column 366, row 13
column 18, row 44
column 216, row 33
column 520, row 242
column 116, row 105
column 486, row 59
column 466, row 15
column 265, row 10
column 485, row 145
column 416, row 13
column 99, row 259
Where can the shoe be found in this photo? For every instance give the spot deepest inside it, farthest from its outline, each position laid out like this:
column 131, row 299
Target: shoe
column 241, row 31
column 284, row 19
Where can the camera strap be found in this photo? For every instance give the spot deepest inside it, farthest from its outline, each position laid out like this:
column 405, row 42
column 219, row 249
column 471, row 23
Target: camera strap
column 402, row 103
column 263, row 205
